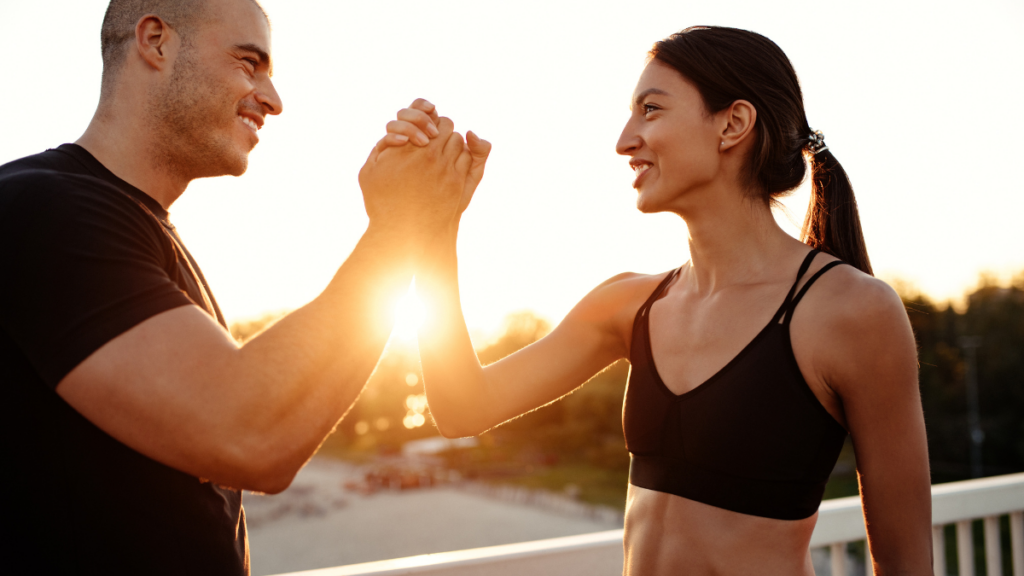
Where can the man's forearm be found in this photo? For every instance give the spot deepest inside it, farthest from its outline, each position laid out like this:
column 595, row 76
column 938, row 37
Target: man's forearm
column 307, row 369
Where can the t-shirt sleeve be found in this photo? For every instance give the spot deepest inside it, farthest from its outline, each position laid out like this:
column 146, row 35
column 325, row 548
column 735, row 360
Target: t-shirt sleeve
column 82, row 263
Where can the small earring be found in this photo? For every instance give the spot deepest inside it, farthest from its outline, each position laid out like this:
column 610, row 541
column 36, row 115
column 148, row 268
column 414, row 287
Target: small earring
column 723, row 144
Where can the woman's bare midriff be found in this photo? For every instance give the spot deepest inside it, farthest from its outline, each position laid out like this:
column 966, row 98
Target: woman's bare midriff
column 669, row 535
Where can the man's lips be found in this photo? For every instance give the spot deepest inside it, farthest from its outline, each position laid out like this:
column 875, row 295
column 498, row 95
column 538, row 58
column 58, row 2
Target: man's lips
column 250, row 123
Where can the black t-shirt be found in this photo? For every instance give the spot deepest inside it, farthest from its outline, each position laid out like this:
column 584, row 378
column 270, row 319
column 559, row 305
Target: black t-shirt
column 86, row 256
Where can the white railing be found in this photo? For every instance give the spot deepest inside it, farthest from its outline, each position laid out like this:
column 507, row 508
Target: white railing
column 840, row 522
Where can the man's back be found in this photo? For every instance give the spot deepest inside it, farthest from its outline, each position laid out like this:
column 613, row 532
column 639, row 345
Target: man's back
column 87, row 257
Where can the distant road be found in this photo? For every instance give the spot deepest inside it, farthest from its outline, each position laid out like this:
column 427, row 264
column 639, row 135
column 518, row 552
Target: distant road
column 316, row 523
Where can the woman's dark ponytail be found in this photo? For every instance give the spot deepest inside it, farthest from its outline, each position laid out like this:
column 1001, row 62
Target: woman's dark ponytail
column 728, row 64
column 833, row 222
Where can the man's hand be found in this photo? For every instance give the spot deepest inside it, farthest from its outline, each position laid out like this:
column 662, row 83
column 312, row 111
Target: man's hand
column 417, row 190
column 418, row 124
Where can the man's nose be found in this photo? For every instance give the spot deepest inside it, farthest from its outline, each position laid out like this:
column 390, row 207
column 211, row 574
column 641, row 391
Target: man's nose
column 269, row 99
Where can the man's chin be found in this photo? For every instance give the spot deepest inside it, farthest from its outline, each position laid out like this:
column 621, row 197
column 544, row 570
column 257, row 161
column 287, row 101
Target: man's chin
column 235, row 163
column 235, row 166
column 240, row 167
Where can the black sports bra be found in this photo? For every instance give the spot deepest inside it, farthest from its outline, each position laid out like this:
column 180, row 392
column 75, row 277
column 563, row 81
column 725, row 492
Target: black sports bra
column 753, row 438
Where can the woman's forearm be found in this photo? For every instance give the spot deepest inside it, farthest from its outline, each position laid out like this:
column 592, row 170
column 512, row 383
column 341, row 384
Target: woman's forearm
column 453, row 378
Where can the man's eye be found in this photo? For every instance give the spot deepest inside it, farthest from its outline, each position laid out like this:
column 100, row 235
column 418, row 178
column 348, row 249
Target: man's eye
column 251, row 61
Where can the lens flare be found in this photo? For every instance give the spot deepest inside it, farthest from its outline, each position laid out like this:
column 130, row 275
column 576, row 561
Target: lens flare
column 409, row 315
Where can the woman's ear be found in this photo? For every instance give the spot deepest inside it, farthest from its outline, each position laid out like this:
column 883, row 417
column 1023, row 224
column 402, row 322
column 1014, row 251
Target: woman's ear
column 740, row 118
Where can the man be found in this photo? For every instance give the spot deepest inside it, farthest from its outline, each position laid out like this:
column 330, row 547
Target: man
column 130, row 417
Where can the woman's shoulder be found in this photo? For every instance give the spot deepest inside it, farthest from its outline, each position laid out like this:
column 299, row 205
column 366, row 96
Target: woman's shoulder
column 849, row 320
column 613, row 303
column 852, row 298
column 851, row 333
column 627, row 286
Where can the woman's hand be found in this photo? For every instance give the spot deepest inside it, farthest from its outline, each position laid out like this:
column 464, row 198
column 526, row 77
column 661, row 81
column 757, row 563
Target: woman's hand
column 418, row 124
column 419, row 190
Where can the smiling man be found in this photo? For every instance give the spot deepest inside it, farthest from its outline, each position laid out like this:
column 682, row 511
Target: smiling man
column 129, row 418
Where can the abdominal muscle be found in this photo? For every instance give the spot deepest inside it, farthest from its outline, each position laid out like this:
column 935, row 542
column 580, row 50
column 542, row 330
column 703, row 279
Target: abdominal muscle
column 670, row 535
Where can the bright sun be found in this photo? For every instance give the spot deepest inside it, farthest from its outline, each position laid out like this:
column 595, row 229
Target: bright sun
column 409, row 315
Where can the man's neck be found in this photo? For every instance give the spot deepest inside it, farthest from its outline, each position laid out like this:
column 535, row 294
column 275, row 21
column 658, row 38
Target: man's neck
column 125, row 150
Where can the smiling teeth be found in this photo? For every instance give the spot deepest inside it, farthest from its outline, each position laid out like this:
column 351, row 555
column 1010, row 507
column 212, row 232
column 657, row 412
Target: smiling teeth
column 249, row 122
column 641, row 169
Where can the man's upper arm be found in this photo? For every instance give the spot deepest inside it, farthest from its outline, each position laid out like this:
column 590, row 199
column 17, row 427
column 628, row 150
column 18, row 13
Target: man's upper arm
column 166, row 389
column 90, row 303
column 83, row 264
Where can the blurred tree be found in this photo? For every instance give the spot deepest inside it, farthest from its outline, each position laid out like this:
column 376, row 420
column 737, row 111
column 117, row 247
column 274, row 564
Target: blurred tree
column 996, row 315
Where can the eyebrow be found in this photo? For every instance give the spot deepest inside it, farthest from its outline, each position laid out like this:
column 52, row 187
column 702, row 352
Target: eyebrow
column 263, row 56
column 640, row 97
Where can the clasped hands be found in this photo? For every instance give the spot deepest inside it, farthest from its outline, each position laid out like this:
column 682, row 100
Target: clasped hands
column 422, row 188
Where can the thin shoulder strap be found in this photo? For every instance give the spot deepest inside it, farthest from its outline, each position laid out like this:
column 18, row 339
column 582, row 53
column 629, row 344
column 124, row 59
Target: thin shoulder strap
column 657, row 291
column 784, row 309
column 804, row 266
column 800, row 295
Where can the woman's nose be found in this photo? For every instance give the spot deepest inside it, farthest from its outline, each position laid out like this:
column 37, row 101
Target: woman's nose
column 629, row 141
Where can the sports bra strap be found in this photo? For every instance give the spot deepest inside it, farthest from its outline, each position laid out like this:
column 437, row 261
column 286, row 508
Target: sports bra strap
column 789, row 295
column 804, row 266
column 657, row 292
column 800, row 295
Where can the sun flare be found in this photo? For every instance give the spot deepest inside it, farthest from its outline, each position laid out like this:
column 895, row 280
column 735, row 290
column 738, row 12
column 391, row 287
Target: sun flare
column 409, row 315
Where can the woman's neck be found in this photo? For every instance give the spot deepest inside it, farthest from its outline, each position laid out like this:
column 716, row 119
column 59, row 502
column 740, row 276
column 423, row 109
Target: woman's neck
column 735, row 242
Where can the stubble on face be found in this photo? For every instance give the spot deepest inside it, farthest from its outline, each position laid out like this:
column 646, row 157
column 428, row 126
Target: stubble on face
column 194, row 116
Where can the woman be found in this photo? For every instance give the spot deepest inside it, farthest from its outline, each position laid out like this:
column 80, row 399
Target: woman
column 751, row 362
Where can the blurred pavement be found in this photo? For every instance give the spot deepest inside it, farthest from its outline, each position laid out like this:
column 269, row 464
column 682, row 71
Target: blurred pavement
column 317, row 523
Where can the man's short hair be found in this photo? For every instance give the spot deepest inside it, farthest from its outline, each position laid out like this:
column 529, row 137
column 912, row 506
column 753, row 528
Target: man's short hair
column 122, row 15
column 119, row 23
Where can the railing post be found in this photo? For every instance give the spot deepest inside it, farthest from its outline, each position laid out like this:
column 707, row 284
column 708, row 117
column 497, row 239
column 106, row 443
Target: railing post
column 1017, row 542
column 993, row 555
column 939, row 550
column 838, row 553
column 964, row 548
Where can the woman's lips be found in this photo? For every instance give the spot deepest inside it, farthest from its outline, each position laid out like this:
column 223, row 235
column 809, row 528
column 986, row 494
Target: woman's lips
column 640, row 170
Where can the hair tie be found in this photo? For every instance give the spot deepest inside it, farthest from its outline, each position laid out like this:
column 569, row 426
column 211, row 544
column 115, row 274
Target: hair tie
column 816, row 142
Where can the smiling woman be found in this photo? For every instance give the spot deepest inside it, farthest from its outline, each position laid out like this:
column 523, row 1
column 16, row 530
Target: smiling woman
column 746, row 376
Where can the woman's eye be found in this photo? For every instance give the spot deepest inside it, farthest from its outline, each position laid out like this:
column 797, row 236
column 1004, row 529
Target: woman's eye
column 648, row 108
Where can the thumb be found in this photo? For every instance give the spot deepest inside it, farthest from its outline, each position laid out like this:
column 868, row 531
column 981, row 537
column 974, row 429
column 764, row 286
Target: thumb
column 476, row 153
column 480, row 150
column 478, row 147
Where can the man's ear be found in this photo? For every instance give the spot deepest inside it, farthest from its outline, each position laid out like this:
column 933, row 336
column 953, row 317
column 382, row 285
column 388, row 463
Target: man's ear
column 156, row 42
column 740, row 118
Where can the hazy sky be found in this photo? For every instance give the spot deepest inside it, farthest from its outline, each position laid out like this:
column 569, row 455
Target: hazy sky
column 919, row 101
